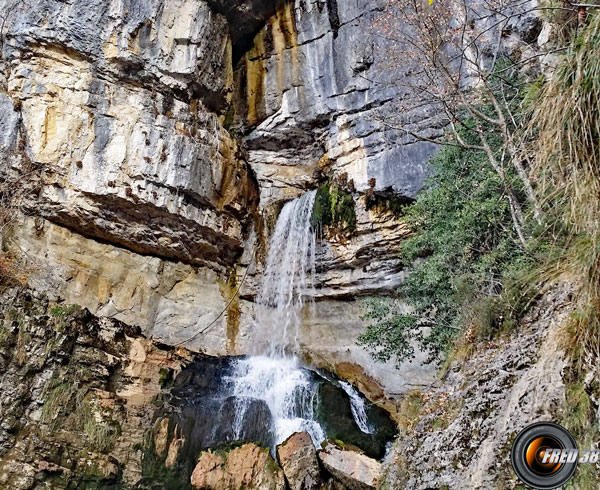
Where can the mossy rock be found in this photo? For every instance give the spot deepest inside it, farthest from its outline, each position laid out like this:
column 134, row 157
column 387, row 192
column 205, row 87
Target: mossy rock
column 335, row 208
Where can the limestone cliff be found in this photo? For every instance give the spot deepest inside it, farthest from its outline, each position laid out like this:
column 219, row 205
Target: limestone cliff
column 166, row 137
column 151, row 145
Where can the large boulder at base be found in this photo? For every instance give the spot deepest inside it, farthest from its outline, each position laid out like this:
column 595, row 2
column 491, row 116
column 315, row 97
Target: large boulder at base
column 354, row 470
column 298, row 458
column 248, row 466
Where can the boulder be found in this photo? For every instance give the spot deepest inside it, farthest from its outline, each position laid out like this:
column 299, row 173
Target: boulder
column 298, row 458
column 248, row 466
column 353, row 469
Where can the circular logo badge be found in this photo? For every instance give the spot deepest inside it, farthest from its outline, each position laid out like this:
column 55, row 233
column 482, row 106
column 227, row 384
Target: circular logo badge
column 544, row 455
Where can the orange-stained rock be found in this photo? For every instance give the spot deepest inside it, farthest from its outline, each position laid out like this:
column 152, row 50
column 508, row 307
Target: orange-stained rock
column 248, row 466
column 298, row 458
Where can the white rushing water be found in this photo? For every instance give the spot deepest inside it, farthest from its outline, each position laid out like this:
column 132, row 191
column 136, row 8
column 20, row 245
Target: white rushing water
column 358, row 407
column 288, row 278
column 287, row 390
column 275, row 375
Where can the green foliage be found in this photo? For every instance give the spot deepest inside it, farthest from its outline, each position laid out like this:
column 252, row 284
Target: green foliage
column 63, row 311
column 580, row 419
column 462, row 249
column 334, row 207
column 322, row 207
column 58, row 311
column 66, row 404
column 62, row 316
column 166, row 378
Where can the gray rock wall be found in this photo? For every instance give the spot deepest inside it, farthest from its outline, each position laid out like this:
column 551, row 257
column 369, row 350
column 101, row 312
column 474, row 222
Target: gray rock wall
column 309, row 91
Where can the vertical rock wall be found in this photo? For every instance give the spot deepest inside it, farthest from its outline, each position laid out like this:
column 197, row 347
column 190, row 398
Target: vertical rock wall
column 156, row 141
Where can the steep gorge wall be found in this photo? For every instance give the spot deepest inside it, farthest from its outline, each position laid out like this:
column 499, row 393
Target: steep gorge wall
column 158, row 142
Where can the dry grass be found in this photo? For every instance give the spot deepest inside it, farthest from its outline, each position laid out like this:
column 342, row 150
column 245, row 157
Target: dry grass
column 567, row 124
column 13, row 272
column 409, row 410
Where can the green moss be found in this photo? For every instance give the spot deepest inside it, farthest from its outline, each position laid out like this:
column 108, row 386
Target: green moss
column 166, row 378
column 224, row 449
column 335, row 208
column 62, row 314
column 156, row 474
column 322, row 207
column 340, row 443
column 229, row 117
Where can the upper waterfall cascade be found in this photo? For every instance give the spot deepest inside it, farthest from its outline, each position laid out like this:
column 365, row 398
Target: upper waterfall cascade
column 289, row 276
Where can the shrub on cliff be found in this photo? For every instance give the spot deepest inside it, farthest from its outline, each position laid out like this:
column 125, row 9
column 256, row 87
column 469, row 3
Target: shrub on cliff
column 463, row 246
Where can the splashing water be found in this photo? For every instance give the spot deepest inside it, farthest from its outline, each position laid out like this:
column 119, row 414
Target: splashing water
column 287, row 390
column 358, row 408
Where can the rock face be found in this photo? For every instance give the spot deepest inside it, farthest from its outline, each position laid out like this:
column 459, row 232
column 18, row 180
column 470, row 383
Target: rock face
column 298, row 458
column 76, row 395
column 467, row 424
column 304, row 95
column 114, row 107
column 248, row 466
column 351, row 468
column 147, row 133
column 167, row 299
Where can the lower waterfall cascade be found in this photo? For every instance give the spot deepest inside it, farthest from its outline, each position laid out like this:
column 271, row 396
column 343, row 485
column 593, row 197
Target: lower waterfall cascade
column 276, row 376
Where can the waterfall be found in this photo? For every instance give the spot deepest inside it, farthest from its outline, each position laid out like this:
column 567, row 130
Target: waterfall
column 275, row 376
column 288, row 276
column 288, row 391
column 358, row 407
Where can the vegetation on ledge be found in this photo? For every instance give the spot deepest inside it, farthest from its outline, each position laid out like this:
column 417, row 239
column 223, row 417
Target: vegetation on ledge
column 487, row 243
column 334, row 208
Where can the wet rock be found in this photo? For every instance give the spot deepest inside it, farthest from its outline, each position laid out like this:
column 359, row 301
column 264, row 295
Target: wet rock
column 336, row 418
column 351, row 468
column 203, row 407
column 248, row 466
column 298, row 458
column 246, row 18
